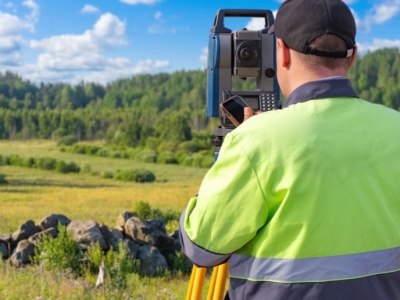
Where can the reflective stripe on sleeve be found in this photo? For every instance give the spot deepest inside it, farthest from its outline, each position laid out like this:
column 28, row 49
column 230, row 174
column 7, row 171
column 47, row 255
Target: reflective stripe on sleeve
column 199, row 256
column 315, row 269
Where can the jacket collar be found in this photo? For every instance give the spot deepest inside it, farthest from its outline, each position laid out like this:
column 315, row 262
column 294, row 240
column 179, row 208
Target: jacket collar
column 331, row 87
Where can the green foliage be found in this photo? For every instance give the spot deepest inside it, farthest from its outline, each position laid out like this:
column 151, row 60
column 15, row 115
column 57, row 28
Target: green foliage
column 147, row 156
column 60, row 253
column 63, row 167
column 45, row 163
column 3, row 180
column 67, row 140
column 117, row 264
column 145, row 211
column 107, row 175
column 137, row 175
column 181, row 264
column 85, row 168
column 167, row 157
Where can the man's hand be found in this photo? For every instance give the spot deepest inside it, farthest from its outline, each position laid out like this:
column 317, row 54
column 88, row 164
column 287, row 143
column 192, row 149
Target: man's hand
column 248, row 113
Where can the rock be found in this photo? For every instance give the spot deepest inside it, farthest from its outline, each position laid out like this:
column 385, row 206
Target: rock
column 23, row 253
column 131, row 248
column 25, row 231
column 124, row 216
column 34, row 239
column 3, row 251
column 152, row 262
column 86, row 234
column 149, row 232
column 53, row 220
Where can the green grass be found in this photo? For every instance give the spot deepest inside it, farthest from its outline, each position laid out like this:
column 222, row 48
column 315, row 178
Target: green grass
column 32, row 194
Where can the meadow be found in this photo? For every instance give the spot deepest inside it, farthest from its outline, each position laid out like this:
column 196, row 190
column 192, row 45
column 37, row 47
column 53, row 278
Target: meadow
column 32, row 194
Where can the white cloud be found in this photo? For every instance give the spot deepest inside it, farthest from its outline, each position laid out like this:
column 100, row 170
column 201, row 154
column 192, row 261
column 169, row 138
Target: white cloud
column 89, row 9
column 73, row 58
column 258, row 23
column 377, row 44
column 385, row 12
column 11, row 40
column 34, row 15
column 12, row 25
column 108, row 31
column 135, row 2
column 378, row 14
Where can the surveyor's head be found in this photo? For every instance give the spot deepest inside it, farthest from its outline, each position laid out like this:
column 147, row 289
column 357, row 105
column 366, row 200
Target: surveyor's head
column 319, row 33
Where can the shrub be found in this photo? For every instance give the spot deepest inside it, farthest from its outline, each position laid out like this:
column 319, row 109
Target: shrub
column 45, row 163
column 85, row 168
column 63, row 167
column 143, row 209
column 91, row 149
column 117, row 264
column 107, row 174
column 3, row 181
column 148, row 156
column 167, row 157
column 103, row 152
column 60, row 253
column 28, row 162
column 137, row 175
column 67, row 140
column 15, row 160
column 181, row 264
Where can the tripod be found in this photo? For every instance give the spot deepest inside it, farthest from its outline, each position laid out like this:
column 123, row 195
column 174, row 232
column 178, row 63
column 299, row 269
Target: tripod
column 220, row 273
column 217, row 284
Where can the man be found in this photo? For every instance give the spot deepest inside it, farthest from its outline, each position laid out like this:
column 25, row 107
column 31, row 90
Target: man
column 304, row 202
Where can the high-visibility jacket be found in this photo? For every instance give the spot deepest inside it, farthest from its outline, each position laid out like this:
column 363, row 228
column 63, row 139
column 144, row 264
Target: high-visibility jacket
column 304, row 201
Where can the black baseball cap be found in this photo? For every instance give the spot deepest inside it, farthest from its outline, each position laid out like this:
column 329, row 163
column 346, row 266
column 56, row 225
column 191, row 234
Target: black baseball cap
column 299, row 22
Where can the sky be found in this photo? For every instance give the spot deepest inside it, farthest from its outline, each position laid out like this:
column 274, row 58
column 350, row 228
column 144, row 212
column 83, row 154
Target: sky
column 100, row 41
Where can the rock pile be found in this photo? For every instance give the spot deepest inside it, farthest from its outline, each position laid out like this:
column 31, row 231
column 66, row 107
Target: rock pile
column 144, row 240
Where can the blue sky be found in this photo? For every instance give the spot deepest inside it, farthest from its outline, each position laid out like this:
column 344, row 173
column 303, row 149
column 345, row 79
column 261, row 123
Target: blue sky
column 104, row 40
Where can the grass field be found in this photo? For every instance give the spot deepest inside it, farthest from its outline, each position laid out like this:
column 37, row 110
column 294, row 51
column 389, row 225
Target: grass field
column 32, row 194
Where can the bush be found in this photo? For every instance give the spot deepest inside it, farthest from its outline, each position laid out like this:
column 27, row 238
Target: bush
column 107, row 174
column 67, row 140
column 91, row 149
column 137, row 175
column 63, row 167
column 3, row 181
column 15, row 160
column 28, row 162
column 45, row 163
column 85, row 168
column 148, row 156
column 57, row 254
column 117, row 264
column 167, row 157
column 103, row 152
column 143, row 209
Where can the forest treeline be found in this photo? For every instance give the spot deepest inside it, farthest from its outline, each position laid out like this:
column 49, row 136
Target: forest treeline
column 157, row 109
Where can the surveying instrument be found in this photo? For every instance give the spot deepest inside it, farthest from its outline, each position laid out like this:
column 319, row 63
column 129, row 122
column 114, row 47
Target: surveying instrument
column 242, row 54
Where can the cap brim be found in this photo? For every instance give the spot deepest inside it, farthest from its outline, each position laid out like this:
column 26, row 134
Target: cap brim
column 271, row 30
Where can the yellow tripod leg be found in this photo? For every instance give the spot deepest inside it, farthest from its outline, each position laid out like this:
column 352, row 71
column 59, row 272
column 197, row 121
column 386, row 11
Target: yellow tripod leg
column 213, row 282
column 196, row 283
column 221, row 280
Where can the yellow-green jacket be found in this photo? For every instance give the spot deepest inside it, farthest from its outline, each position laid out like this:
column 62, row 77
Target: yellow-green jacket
column 304, row 201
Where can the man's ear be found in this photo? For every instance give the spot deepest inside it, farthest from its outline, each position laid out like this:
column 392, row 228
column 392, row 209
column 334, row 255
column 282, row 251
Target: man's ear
column 353, row 56
column 284, row 53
